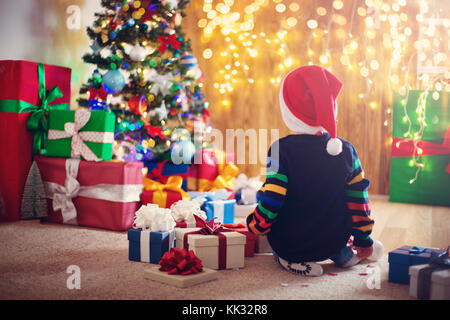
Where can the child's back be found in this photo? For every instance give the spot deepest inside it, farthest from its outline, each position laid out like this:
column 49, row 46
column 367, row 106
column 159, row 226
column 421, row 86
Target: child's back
column 315, row 194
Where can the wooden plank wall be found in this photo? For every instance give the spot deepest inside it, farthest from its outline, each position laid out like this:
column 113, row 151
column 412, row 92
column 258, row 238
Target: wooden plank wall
column 256, row 105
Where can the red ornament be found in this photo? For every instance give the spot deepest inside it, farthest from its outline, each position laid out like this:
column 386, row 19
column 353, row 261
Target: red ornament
column 173, row 111
column 137, row 105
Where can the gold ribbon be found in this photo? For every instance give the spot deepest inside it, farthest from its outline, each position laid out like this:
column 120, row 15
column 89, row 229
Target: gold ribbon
column 174, row 183
column 225, row 179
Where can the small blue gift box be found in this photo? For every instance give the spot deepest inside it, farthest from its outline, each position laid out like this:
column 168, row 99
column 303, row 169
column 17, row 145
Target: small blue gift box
column 402, row 258
column 216, row 204
column 146, row 246
column 160, row 171
column 223, row 210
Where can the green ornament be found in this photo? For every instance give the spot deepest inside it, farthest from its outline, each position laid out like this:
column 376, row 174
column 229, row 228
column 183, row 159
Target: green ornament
column 153, row 63
column 113, row 66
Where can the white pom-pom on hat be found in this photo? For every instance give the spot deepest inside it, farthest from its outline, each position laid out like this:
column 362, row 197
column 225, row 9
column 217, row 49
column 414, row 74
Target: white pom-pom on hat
column 334, row 146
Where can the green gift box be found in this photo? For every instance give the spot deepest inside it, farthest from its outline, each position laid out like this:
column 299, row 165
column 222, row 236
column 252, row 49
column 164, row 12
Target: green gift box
column 427, row 155
column 81, row 134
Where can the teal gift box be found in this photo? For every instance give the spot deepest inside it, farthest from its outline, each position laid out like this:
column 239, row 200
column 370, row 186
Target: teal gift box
column 84, row 134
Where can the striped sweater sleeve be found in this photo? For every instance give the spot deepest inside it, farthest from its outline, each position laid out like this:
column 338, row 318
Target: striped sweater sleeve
column 270, row 198
column 358, row 204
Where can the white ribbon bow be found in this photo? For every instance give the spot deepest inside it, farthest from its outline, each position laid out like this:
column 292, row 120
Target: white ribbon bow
column 62, row 195
column 161, row 82
column 71, row 129
column 153, row 218
column 184, row 210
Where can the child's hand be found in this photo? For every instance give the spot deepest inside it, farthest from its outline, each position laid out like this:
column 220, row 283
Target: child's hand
column 364, row 253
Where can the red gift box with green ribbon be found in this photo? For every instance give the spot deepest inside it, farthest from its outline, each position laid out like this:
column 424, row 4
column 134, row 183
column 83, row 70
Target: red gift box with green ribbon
column 420, row 164
column 27, row 91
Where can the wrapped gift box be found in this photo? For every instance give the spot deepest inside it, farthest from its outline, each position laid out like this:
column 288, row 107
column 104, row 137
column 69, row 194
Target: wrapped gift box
column 178, row 280
column 433, row 180
column 251, row 237
column 164, row 195
column 207, row 166
column 217, row 204
column 402, row 258
column 439, row 285
column 262, row 244
column 108, row 200
column 161, row 171
column 223, row 210
column 81, row 133
column 146, row 246
column 206, row 248
column 20, row 83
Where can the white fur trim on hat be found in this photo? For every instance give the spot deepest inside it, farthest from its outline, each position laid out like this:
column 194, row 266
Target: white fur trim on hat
column 334, row 146
column 291, row 121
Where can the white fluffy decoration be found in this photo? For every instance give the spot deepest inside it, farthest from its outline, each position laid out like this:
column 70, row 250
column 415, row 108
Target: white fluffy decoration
column 334, row 146
column 152, row 217
column 184, row 210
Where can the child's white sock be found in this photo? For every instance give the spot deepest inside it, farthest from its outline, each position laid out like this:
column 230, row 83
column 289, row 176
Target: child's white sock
column 310, row 269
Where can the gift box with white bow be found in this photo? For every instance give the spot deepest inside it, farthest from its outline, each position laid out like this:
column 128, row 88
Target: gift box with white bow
column 152, row 234
column 81, row 134
column 93, row 194
column 183, row 212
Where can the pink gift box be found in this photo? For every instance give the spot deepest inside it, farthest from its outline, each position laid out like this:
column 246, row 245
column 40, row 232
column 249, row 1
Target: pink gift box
column 112, row 213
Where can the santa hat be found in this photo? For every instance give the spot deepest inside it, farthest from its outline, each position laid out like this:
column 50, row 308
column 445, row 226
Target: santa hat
column 308, row 103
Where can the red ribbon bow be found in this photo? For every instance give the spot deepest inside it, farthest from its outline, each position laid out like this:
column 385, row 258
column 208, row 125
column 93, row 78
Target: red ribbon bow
column 154, row 131
column 95, row 94
column 208, row 228
column 180, row 261
column 168, row 40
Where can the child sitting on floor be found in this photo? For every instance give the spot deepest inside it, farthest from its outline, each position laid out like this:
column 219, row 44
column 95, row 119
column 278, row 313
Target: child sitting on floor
column 315, row 194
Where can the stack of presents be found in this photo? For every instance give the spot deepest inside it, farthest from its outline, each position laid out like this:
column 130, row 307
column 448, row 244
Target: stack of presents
column 426, row 270
column 56, row 166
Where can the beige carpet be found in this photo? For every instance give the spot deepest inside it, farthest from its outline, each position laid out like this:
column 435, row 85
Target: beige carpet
column 34, row 258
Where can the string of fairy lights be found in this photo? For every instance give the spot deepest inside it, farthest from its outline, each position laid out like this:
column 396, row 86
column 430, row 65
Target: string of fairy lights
column 377, row 21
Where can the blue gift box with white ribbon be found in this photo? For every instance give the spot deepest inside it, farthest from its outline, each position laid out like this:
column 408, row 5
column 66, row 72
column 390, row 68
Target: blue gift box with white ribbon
column 146, row 246
column 402, row 258
column 216, row 204
column 223, row 210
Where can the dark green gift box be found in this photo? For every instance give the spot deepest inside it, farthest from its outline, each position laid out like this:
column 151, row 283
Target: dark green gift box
column 95, row 129
column 432, row 185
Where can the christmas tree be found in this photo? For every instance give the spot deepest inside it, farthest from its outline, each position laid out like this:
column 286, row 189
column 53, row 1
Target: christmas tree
column 146, row 74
